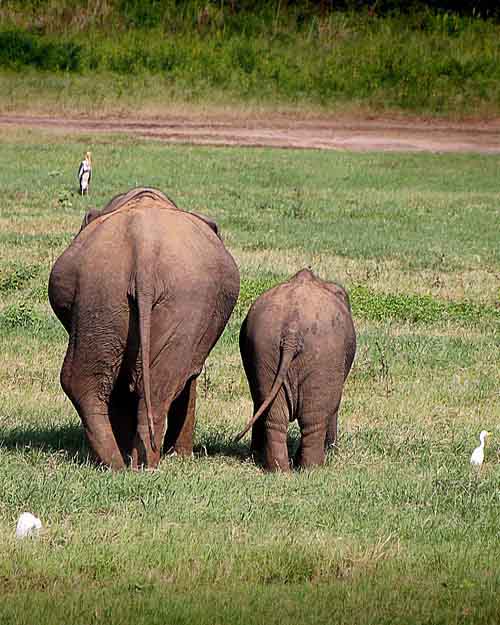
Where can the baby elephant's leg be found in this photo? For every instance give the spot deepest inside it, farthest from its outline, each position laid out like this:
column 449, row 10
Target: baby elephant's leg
column 311, row 451
column 275, row 438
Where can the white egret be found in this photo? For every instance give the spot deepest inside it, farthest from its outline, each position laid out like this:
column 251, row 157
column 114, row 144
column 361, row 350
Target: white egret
column 27, row 525
column 478, row 454
column 85, row 173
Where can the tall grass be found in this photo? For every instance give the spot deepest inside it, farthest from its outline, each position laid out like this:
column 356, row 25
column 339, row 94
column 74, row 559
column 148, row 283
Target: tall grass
column 439, row 63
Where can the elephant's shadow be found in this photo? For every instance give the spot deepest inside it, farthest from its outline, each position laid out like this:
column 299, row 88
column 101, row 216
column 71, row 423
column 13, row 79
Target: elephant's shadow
column 210, row 446
column 69, row 442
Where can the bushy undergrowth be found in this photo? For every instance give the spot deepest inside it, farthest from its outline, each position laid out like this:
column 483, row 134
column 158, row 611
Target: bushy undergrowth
column 435, row 62
column 19, row 49
column 23, row 316
column 17, row 276
column 370, row 305
column 416, row 308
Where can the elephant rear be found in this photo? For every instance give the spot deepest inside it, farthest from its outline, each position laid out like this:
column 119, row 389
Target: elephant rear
column 144, row 291
column 297, row 345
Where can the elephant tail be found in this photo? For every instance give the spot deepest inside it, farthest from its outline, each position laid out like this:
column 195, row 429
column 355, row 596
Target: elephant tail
column 144, row 309
column 291, row 345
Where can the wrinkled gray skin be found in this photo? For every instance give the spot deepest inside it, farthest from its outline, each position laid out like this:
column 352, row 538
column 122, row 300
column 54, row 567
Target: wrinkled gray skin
column 297, row 344
column 142, row 282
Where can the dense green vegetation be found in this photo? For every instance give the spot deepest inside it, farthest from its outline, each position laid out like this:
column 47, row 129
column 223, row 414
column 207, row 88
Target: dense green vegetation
column 396, row 528
column 422, row 61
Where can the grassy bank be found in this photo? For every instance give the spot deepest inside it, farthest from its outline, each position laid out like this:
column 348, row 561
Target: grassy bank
column 396, row 528
column 426, row 62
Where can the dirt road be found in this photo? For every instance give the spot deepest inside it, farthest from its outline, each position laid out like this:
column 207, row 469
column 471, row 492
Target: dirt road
column 283, row 131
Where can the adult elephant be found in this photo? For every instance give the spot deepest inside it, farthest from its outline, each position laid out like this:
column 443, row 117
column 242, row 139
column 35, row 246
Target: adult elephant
column 144, row 291
column 297, row 344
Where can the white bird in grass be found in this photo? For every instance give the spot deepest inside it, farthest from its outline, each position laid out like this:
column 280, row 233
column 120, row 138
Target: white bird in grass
column 85, row 173
column 478, row 454
column 27, row 525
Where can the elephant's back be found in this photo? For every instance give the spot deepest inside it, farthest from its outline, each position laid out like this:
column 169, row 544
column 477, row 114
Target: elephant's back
column 168, row 237
column 193, row 280
column 320, row 311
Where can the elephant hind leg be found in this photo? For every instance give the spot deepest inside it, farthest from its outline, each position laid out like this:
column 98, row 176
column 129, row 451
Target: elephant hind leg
column 95, row 418
column 181, row 420
column 123, row 407
column 332, row 428
column 275, row 449
column 311, row 450
column 258, row 439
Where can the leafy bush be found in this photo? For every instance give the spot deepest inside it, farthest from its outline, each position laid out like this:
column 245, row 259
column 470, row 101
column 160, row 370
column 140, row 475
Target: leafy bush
column 141, row 13
column 18, row 49
column 21, row 315
column 421, row 61
column 415, row 308
column 16, row 277
column 367, row 304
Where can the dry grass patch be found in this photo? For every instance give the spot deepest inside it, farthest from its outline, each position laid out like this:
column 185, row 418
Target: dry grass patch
column 60, row 222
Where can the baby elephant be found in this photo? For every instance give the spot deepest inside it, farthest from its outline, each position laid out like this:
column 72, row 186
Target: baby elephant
column 297, row 344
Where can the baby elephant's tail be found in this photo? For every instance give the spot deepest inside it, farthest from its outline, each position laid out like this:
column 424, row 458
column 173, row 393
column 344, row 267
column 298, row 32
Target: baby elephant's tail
column 291, row 345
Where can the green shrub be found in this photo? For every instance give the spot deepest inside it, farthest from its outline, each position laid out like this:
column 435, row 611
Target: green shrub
column 420, row 61
column 367, row 304
column 16, row 277
column 19, row 49
column 415, row 308
column 20, row 316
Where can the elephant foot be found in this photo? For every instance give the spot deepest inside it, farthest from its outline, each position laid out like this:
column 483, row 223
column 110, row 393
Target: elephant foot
column 257, row 457
column 306, row 458
column 111, row 459
column 277, row 464
column 276, row 450
column 115, row 464
column 310, row 461
column 182, row 452
column 152, row 465
column 143, row 457
column 277, row 467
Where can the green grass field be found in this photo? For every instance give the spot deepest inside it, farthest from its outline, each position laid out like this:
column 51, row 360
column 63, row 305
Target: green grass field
column 396, row 528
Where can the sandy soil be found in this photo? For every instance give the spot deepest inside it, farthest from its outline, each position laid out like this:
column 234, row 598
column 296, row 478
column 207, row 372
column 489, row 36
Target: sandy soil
column 281, row 131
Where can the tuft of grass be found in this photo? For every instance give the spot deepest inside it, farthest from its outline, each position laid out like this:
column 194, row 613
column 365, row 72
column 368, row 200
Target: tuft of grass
column 20, row 316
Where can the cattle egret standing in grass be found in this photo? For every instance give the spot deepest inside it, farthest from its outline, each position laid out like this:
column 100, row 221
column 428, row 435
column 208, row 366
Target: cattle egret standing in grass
column 85, row 173
column 478, row 454
column 27, row 525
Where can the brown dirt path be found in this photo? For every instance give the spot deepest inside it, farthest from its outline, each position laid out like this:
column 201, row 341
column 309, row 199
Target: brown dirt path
column 282, row 131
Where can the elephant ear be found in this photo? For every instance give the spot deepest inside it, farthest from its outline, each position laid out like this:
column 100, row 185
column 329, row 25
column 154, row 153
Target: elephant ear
column 338, row 291
column 89, row 216
column 210, row 222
